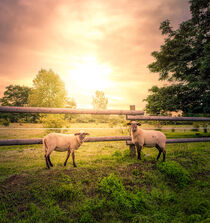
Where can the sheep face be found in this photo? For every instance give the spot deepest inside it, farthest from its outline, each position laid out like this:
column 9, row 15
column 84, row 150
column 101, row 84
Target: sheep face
column 134, row 125
column 81, row 135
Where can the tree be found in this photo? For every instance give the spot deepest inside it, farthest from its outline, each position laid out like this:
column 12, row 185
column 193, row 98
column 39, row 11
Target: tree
column 48, row 90
column 184, row 60
column 99, row 100
column 15, row 95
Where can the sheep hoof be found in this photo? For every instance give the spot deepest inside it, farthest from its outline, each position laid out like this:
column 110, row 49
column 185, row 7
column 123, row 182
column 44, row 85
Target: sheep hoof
column 75, row 165
column 64, row 164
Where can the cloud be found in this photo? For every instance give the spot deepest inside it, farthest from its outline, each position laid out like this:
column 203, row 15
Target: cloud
column 50, row 34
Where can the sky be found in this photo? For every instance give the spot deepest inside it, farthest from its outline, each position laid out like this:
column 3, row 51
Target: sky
column 91, row 44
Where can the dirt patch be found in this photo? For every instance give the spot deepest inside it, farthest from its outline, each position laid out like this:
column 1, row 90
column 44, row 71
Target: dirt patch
column 203, row 174
column 16, row 179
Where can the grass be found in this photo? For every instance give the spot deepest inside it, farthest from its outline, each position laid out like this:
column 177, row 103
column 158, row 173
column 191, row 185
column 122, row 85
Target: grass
column 107, row 185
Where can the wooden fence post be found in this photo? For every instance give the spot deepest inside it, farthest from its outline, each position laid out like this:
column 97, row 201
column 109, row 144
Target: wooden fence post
column 132, row 146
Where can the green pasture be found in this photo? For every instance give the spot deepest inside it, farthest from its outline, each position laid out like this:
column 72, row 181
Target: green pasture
column 107, row 185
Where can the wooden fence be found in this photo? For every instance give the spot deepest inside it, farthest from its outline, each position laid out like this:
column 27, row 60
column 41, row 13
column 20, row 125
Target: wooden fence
column 10, row 142
column 166, row 118
column 68, row 111
column 131, row 114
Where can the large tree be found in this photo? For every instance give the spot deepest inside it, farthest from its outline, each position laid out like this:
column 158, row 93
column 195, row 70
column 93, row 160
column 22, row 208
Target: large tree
column 48, row 90
column 184, row 60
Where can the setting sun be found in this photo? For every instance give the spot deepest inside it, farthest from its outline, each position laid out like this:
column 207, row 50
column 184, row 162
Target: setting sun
column 89, row 75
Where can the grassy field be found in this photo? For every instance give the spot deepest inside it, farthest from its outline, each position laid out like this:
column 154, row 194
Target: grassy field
column 107, row 185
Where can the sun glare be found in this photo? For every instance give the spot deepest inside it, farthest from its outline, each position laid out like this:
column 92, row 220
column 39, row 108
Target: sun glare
column 89, row 75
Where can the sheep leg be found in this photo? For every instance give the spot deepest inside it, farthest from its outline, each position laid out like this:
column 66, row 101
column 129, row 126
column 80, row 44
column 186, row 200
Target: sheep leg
column 47, row 163
column 73, row 158
column 48, row 157
column 160, row 150
column 159, row 155
column 139, row 151
column 68, row 154
column 164, row 155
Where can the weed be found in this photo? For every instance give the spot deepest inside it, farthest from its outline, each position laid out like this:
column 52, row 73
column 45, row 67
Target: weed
column 66, row 192
column 135, row 172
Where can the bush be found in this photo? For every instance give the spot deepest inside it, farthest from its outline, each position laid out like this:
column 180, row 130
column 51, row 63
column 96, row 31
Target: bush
column 118, row 197
column 113, row 199
column 175, row 172
column 53, row 121
column 4, row 122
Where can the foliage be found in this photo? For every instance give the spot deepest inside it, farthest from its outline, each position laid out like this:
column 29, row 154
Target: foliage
column 4, row 121
column 15, row 95
column 53, row 121
column 113, row 197
column 48, row 90
column 175, row 172
column 66, row 192
column 99, row 100
column 183, row 59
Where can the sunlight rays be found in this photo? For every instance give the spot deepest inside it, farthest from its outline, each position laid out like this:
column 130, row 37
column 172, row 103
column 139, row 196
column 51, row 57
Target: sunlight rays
column 89, row 75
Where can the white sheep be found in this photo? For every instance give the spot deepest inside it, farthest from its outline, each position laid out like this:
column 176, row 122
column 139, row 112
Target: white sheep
column 62, row 142
column 147, row 138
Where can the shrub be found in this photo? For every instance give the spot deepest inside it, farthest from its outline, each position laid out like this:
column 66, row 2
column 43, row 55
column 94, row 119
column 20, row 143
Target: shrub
column 53, row 121
column 175, row 172
column 4, row 122
column 92, row 209
column 119, row 198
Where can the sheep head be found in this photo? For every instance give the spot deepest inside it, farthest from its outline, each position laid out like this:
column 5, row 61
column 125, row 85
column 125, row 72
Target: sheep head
column 134, row 125
column 82, row 135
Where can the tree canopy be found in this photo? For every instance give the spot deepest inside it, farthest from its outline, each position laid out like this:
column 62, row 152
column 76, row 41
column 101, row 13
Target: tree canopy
column 48, row 90
column 184, row 61
column 15, row 95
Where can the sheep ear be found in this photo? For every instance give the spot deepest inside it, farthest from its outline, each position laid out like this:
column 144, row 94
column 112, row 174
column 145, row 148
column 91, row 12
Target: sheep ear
column 87, row 133
column 139, row 124
column 76, row 134
column 129, row 123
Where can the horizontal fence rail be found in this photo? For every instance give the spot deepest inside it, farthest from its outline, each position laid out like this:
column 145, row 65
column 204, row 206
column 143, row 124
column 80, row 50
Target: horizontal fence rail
column 181, row 140
column 166, row 118
column 68, row 111
column 10, row 142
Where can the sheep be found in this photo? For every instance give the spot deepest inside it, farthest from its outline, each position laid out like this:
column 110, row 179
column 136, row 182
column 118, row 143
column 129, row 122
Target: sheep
column 147, row 138
column 62, row 142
